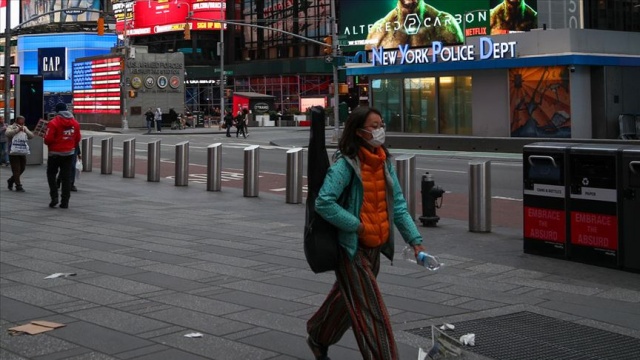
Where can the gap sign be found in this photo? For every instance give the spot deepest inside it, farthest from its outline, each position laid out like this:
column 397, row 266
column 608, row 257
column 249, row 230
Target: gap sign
column 52, row 63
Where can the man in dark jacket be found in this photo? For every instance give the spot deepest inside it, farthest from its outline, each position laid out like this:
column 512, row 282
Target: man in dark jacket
column 228, row 121
column 149, row 116
column 62, row 137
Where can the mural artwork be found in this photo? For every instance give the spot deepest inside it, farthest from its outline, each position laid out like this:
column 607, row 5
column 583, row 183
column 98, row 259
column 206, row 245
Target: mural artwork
column 539, row 102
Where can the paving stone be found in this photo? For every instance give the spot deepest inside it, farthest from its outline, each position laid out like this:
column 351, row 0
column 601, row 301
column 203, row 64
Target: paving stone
column 165, row 281
column 421, row 306
column 198, row 303
column 244, row 333
column 631, row 296
column 489, row 295
column 179, row 271
column 548, row 285
column 210, row 346
column 32, row 346
column 270, row 320
column 108, row 268
column 66, row 354
column 143, row 352
column 99, row 338
column 47, row 255
column 296, row 346
column 6, row 355
column 41, row 266
column 276, row 291
column 92, row 356
column 222, row 269
column 35, row 296
column 198, row 321
column 225, row 259
column 300, row 284
column 253, row 300
column 121, row 285
column 161, row 257
column 121, row 321
column 92, row 244
column 106, row 256
column 37, row 279
column 171, row 354
column 94, row 294
column 415, row 293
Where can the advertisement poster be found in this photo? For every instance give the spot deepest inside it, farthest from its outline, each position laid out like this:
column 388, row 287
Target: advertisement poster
column 73, row 11
column 306, row 18
column 389, row 23
column 539, row 102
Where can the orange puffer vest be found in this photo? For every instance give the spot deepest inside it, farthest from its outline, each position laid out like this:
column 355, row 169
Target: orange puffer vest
column 373, row 214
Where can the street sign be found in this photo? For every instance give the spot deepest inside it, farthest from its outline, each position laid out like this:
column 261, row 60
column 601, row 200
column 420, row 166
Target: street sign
column 226, row 72
column 14, row 70
column 328, row 59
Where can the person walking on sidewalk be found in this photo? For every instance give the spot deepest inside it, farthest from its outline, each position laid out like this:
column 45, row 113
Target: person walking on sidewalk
column 149, row 117
column 18, row 162
column 365, row 232
column 228, row 121
column 77, row 156
column 4, row 153
column 157, row 117
column 62, row 137
column 240, row 124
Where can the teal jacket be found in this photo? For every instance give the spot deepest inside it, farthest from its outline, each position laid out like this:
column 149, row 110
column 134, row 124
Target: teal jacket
column 347, row 219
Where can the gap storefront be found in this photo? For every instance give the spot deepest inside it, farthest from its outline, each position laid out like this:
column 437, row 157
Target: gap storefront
column 563, row 83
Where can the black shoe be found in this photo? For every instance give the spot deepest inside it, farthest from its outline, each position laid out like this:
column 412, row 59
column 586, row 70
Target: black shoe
column 19, row 188
column 64, row 205
column 10, row 184
column 319, row 351
column 73, row 188
column 53, row 203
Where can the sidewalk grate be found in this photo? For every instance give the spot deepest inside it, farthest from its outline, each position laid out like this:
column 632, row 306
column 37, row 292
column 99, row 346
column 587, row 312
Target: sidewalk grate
column 529, row 336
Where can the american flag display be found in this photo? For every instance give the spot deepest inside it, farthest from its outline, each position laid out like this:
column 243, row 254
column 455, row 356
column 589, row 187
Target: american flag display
column 96, row 86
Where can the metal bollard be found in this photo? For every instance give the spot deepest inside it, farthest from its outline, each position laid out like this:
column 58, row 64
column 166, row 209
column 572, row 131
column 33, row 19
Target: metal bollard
column 129, row 158
column 182, row 163
column 251, row 170
column 153, row 161
column 406, row 169
column 214, row 167
column 294, row 176
column 480, row 196
column 86, row 147
column 106, row 158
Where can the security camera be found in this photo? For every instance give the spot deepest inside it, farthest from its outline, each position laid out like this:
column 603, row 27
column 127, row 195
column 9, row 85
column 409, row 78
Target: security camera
column 572, row 68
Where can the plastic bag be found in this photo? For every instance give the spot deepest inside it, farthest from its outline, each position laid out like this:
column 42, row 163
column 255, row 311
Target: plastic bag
column 78, row 168
column 19, row 144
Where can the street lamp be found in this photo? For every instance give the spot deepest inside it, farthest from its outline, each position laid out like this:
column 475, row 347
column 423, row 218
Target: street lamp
column 125, row 39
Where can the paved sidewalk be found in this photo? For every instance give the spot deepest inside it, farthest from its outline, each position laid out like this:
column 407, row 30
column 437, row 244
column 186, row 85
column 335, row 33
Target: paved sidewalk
column 154, row 262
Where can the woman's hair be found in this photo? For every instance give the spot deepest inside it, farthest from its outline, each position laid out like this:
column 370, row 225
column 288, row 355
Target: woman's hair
column 350, row 142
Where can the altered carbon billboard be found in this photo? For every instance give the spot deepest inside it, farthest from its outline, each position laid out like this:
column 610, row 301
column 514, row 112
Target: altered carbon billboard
column 34, row 12
column 156, row 17
column 365, row 24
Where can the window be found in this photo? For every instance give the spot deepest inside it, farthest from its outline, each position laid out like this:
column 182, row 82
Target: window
column 420, row 113
column 454, row 110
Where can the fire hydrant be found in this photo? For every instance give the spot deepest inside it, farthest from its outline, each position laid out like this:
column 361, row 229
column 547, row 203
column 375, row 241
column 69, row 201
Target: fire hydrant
column 430, row 195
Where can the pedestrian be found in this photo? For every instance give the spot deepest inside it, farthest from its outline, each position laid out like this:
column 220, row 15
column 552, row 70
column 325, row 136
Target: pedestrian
column 228, row 121
column 149, row 117
column 157, row 117
column 77, row 155
column 245, row 118
column 365, row 231
column 4, row 154
column 240, row 124
column 18, row 161
column 62, row 137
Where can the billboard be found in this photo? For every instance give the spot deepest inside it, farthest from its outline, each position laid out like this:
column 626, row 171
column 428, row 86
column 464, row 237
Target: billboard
column 310, row 18
column 539, row 102
column 32, row 11
column 96, row 86
column 156, row 17
column 389, row 23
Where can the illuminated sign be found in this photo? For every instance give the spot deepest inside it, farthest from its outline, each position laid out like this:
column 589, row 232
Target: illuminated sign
column 96, row 86
column 52, row 63
column 404, row 55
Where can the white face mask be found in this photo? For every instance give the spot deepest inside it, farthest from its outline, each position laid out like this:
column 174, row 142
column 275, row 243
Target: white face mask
column 378, row 137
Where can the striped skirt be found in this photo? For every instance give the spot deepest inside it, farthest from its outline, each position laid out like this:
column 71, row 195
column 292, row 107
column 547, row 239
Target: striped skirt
column 355, row 300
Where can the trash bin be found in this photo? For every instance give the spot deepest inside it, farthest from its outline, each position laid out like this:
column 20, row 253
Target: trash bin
column 630, row 239
column 545, row 190
column 594, row 204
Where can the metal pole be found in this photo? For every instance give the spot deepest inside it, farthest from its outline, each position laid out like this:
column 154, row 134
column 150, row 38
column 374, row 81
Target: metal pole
column 406, row 169
column 125, row 122
column 182, row 163
column 106, row 158
column 251, row 169
column 153, row 161
column 294, row 176
column 86, row 146
column 129, row 158
column 7, row 65
column 336, row 87
column 214, row 167
column 222, row 82
column 480, row 196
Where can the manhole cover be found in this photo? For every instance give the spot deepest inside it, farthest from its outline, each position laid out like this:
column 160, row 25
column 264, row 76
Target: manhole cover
column 526, row 335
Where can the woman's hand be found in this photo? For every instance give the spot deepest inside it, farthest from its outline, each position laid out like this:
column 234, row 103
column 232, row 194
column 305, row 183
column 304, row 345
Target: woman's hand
column 417, row 249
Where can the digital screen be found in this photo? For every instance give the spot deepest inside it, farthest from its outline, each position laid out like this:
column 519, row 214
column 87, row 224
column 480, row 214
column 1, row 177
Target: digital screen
column 96, row 86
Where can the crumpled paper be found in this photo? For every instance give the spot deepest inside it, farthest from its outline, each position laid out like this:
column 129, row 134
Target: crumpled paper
column 468, row 339
column 447, row 327
column 193, row 335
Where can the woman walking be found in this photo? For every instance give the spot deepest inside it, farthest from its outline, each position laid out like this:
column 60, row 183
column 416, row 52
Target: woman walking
column 18, row 162
column 365, row 231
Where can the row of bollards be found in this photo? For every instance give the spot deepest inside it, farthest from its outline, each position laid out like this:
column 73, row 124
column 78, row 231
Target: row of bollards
column 479, row 176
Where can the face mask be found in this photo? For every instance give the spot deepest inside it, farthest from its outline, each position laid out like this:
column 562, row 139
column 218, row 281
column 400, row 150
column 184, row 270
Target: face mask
column 378, row 137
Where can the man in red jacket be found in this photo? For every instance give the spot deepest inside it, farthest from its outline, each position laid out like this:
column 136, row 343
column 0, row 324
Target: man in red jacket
column 62, row 137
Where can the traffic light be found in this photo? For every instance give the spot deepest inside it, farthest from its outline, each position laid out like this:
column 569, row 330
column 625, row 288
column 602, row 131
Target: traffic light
column 328, row 50
column 187, row 31
column 100, row 26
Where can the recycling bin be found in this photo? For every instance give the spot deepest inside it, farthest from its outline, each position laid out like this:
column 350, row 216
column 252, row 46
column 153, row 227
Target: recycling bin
column 545, row 193
column 594, row 204
column 630, row 236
